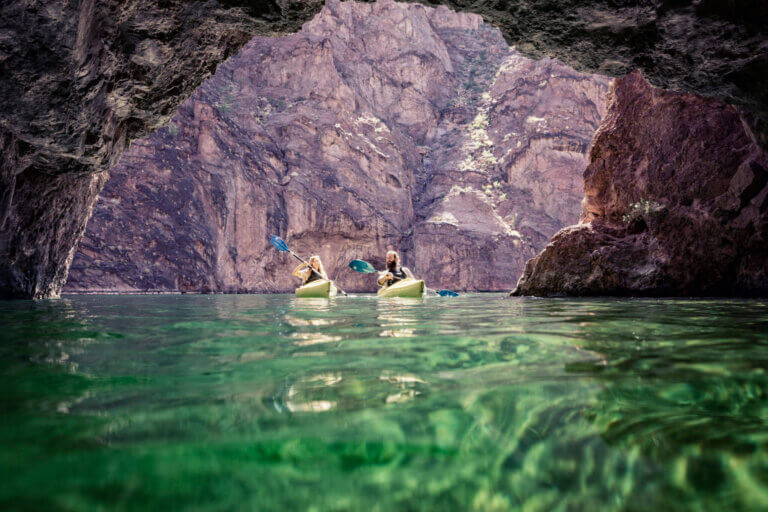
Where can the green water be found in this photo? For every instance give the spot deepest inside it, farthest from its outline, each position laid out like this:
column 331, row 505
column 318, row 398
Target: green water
column 475, row 403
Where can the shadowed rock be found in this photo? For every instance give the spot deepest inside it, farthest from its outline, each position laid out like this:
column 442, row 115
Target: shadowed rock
column 714, row 48
column 80, row 81
column 676, row 203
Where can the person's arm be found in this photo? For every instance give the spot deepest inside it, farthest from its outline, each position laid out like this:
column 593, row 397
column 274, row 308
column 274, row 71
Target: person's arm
column 408, row 272
column 384, row 277
column 300, row 271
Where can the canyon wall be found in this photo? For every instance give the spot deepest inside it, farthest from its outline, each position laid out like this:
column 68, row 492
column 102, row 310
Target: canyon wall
column 377, row 126
column 676, row 203
column 716, row 48
column 80, row 80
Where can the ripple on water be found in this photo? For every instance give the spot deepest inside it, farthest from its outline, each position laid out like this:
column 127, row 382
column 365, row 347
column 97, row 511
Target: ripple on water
column 472, row 403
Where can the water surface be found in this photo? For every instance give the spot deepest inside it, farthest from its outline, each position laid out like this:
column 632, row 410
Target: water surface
column 249, row 402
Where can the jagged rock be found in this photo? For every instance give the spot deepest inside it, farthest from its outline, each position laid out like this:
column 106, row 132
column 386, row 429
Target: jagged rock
column 80, row 80
column 377, row 126
column 522, row 145
column 676, row 203
column 711, row 47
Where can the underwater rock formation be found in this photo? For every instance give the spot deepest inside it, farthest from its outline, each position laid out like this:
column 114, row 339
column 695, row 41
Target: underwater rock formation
column 377, row 126
column 676, row 203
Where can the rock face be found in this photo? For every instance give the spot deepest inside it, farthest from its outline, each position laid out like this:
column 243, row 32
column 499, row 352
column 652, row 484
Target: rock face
column 711, row 47
column 676, row 203
column 376, row 126
column 78, row 82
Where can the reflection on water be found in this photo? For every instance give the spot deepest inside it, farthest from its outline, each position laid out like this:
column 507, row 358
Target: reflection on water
column 395, row 316
column 473, row 403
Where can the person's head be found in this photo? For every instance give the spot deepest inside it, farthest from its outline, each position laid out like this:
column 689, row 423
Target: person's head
column 316, row 264
column 393, row 260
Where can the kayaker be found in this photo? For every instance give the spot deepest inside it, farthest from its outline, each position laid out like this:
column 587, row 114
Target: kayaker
column 394, row 272
column 310, row 273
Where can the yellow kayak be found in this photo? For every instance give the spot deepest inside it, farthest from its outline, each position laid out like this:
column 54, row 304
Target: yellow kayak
column 320, row 289
column 406, row 288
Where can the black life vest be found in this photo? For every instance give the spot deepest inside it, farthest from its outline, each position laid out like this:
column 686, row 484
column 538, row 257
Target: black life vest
column 398, row 275
column 313, row 276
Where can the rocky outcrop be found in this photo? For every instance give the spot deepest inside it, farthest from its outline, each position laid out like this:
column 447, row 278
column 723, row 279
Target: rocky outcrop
column 376, row 126
column 711, row 47
column 505, row 172
column 676, row 203
column 80, row 80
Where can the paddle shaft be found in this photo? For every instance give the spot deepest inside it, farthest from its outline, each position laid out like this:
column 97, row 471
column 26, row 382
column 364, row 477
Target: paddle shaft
column 298, row 257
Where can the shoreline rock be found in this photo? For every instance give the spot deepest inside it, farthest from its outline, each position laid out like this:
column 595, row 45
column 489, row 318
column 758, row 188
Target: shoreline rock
column 676, row 204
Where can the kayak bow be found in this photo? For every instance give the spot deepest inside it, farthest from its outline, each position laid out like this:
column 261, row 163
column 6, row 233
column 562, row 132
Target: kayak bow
column 320, row 289
column 411, row 288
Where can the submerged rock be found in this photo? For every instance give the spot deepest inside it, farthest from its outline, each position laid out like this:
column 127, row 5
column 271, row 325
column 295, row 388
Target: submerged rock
column 376, row 126
column 676, row 203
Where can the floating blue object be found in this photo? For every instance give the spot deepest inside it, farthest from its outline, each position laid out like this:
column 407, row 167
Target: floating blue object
column 447, row 293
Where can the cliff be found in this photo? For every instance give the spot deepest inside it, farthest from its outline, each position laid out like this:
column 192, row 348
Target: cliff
column 79, row 81
column 377, row 126
column 676, row 203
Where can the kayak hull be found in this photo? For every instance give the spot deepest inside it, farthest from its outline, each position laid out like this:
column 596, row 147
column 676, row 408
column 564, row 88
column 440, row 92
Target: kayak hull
column 321, row 289
column 409, row 288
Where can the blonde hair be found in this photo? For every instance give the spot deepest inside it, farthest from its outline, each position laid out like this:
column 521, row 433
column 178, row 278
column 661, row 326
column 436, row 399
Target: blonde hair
column 320, row 268
column 394, row 253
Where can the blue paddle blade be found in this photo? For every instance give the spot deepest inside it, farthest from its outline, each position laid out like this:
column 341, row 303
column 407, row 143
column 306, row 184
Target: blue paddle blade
column 279, row 244
column 361, row 266
column 447, row 293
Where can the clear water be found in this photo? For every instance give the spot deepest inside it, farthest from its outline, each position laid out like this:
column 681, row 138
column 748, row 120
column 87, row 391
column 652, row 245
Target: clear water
column 476, row 403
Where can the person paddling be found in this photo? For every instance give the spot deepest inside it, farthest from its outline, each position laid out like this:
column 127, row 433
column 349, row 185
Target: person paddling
column 394, row 272
column 310, row 273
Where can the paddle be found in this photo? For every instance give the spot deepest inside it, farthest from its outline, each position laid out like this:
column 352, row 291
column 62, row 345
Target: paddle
column 362, row 266
column 366, row 268
column 281, row 246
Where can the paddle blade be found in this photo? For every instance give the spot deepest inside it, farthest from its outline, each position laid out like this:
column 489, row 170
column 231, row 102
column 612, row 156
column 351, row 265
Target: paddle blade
column 279, row 244
column 361, row 266
column 447, row 293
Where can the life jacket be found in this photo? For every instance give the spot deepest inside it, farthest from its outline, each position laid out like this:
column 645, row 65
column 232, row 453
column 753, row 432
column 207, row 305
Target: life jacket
column 397, row 274
column 314, row 275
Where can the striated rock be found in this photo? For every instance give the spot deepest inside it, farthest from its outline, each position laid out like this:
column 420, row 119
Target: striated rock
column 710, row 47
column 377, row 126
column 676, row 203
column 78, row 82
column 509, row 161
